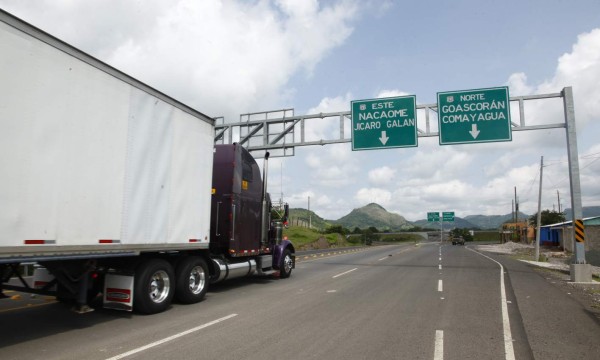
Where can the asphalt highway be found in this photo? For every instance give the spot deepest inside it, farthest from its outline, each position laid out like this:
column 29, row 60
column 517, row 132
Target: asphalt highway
column 384, row 302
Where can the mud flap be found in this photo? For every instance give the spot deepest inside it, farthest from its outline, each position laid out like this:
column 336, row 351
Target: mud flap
column 118, row 292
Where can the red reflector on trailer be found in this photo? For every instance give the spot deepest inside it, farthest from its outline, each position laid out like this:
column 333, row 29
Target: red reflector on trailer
column 39, row 284
column 194, row 240
column 39, row 242
column 109, row 241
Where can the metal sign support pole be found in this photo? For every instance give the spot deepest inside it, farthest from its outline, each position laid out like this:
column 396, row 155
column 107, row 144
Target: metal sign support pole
column 580, row 271
column 573, row 169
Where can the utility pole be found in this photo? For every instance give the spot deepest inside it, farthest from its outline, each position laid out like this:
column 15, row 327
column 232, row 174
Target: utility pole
column 512, row 209
column 539, row 215
column 559, row 209
column 512, row 214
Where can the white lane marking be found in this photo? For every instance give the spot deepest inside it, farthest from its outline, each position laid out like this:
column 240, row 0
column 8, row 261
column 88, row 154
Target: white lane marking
column 344, row 273
column 439, row 345
column 509, row 351
column 440, row 259
column 173, row 337
column 440, row 287
column 440, row 267
column 383, row 258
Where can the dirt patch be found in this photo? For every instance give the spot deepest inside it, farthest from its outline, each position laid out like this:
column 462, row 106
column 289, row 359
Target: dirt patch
column 319, row 244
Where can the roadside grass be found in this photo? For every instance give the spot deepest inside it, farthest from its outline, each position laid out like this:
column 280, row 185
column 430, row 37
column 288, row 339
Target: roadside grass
column 486, row 236
column 400, row 237
column 301, row 236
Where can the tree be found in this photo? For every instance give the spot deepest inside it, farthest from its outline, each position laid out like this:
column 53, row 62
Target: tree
column 370, row 235
column 465, row 233
column 548, row 217
column 339, row 229
column 373, row 229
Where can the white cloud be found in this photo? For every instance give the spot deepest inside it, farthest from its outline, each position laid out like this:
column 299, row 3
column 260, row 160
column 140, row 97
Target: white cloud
column 328, row 128
column 517, row 83
column 382, row 176
column 391, row 93
column 374, row 195
column 222, row 57
column 332, row 167
column 580, row 69
column 231, row 57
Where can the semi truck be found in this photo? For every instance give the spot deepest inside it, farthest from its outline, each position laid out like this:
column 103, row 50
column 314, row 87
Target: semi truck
column 110, row 187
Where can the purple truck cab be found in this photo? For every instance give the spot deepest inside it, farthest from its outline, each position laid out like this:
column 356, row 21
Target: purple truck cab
column 243, row 237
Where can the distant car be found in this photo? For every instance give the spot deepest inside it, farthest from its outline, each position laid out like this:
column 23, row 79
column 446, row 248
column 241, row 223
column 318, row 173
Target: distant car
column 458, row 241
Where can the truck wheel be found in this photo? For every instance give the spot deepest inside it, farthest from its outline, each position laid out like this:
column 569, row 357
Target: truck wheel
column 192, row 280
column 153, row 286
column 285, row 269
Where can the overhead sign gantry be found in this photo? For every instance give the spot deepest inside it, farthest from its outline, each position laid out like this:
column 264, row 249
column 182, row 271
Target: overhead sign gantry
column 488, row 112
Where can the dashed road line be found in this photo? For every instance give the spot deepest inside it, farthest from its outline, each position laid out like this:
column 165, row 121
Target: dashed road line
column 173, row 337
column 439, row 345
column 344, row 273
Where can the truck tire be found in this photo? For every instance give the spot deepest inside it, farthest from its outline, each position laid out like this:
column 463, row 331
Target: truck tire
column 153, row 286
column 285, row 268
column 192, row 280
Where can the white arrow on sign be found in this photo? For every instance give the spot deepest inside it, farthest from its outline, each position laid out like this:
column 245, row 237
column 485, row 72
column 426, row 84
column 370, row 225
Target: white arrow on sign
column 383, row 137
column 474, row 132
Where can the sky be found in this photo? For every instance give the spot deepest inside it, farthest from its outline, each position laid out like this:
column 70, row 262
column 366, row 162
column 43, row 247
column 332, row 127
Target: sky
column 226, row 58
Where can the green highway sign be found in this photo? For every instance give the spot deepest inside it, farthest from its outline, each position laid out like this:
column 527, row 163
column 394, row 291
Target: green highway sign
column 384, row 123
column 474, row 116
column 433, row 216
column 448, row 216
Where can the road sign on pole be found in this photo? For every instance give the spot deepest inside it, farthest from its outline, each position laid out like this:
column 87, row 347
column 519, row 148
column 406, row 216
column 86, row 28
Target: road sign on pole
column 433, row 216
column 384, row 123
column 474, row 116
column 448, row 216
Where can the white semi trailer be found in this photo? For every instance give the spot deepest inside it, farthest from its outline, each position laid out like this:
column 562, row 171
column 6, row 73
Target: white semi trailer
column 113, row 187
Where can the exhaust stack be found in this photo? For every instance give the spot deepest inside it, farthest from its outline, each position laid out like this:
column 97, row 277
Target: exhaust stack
column 265, row 219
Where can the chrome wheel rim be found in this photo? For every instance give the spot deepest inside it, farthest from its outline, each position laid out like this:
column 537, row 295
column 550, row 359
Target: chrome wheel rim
column 160, row 285
column 197, row 280
column 287, row 263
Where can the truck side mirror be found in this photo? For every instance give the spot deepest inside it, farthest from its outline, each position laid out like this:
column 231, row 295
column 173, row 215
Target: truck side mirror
column 286, row 212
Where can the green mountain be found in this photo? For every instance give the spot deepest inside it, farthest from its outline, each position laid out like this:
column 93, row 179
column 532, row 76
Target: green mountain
column 457, row 223
column 373, row 215
column 474, row 222
column 493, row 221
column 588, row 211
